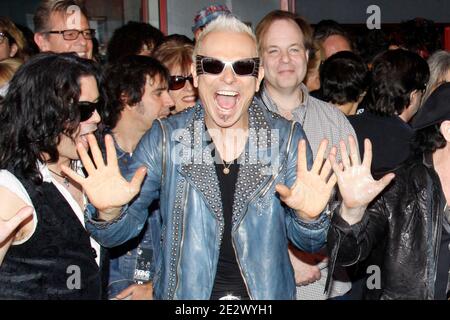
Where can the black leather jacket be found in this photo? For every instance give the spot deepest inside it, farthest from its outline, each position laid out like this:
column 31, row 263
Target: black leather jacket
column 400, row 231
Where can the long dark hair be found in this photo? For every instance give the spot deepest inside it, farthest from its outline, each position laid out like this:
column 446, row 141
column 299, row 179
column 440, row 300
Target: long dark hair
column 395, row 74
column 41, row 104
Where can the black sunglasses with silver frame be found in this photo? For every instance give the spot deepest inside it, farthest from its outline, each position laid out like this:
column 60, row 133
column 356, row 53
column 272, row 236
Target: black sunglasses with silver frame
column 243, row 67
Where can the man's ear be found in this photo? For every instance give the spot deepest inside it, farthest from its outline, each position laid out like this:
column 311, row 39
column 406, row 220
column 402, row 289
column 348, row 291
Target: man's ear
column 445, row 130
column 13, row 50
column 124, row 100
column 260, row 77
column 41, row 41
column 194, row 74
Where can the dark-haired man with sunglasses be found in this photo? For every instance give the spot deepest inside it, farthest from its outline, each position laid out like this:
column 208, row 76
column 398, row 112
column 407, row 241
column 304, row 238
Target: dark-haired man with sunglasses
column 62, row 26
column 233, row 182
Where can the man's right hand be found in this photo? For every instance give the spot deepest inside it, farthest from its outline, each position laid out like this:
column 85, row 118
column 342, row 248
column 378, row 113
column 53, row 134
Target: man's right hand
column 305, row 266
column 7, row 227
column 105, row 187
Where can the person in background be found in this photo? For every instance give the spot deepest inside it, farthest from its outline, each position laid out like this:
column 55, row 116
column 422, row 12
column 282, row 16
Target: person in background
column 8, row 68
column 137, row 91
column 406, row 227
column 206, row 15
column 285, row 46
column 439, row 64
column 344, row 80
column 12, row 41
column 63, row 26
column 398, row 81
column 133, row 38
column 177, row 57
column 332, row 37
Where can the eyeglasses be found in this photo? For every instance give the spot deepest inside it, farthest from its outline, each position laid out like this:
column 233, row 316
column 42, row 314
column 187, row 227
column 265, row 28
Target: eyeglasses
column 244, row 67
column 87, row 109
column 3, row 36
column 178, row 82
column 73, row 34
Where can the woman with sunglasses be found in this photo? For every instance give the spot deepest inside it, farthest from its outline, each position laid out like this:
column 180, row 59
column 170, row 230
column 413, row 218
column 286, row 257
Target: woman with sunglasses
column 12, row 41
column 176, row 55
column 49, row 109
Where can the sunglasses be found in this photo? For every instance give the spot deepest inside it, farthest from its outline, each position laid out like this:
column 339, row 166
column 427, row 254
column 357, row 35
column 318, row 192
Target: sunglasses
column 178, row 82
column 87, row 109
column 244, row 67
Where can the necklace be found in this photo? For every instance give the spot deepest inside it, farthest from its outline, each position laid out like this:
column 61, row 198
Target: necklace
column 226, row 167
column 65, row 179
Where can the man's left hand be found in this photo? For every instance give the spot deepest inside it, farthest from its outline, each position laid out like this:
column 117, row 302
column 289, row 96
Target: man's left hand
column 312, row 189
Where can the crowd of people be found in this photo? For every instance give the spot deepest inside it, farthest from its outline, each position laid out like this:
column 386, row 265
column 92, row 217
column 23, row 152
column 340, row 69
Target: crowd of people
column 279, row 163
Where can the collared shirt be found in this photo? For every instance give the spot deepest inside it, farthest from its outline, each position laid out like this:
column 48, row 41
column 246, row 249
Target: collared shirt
column 320, row 120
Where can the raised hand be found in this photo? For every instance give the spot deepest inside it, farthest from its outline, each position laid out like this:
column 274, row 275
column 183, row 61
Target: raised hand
column 311, row 191
column 105, row 187
column 7, row 227
column 356, row 184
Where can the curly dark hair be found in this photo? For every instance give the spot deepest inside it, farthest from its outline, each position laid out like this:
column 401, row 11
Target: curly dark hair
column 428, row 140
column 129, row 39
column 343, row 78
column 40, row 106
column 395, row 74
column 125, row 84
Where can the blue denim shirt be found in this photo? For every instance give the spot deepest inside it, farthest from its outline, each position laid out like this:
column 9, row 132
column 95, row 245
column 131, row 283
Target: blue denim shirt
column 133, row 261
column 181, row 175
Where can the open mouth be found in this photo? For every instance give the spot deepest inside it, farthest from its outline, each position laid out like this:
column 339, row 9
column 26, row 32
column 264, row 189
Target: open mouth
column 226, row 100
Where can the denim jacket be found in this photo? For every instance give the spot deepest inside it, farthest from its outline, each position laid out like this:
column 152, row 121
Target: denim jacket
column 133, row 261
column 181, row 173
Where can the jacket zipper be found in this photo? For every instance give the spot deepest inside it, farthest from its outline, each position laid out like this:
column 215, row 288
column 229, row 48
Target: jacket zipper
column 182, row 236
column 163, row 150
column 262, row 193
column 240, row 269
column 269, row 184
column 437, row 245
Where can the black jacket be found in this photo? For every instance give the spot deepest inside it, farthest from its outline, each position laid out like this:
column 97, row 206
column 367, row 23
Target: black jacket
column 400, row 232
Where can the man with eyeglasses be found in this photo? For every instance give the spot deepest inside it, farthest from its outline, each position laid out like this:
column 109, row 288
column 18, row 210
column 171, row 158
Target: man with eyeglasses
column 234, row 183
column 62, row 26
